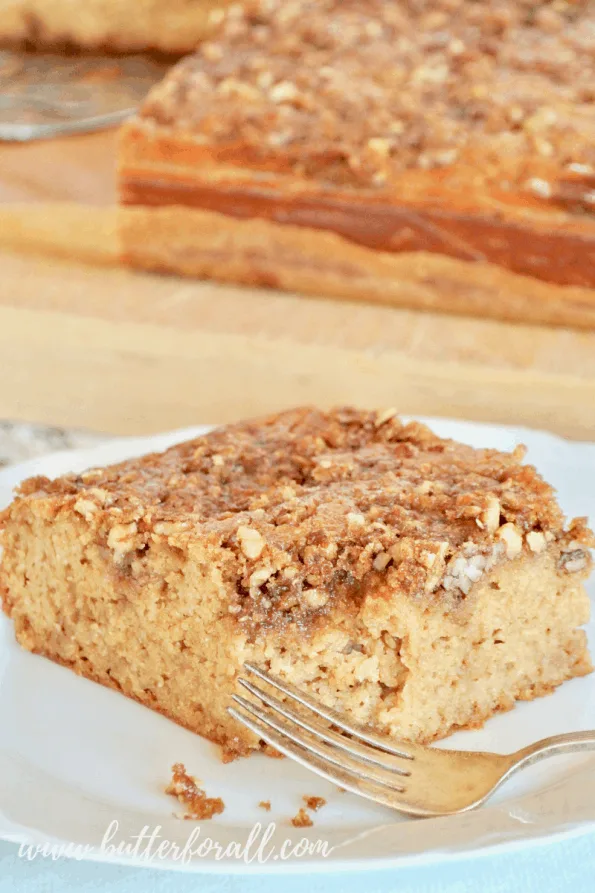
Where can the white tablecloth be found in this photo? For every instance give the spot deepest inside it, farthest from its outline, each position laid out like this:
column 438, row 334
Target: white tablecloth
column 547, row 868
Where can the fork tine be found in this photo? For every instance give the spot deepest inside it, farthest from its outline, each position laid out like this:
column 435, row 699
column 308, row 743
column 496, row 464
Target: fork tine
column 357, row 731
column 318, row 748
column 347, row 745
column 336, row 774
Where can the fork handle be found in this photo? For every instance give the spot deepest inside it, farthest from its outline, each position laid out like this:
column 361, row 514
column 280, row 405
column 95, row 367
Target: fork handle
column 572, row 742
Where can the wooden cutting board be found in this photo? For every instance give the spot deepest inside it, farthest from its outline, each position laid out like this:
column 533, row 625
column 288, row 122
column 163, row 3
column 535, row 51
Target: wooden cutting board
column 85, row 343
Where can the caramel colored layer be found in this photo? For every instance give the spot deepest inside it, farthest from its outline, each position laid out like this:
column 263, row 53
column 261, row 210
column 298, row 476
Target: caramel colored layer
column 551, row 253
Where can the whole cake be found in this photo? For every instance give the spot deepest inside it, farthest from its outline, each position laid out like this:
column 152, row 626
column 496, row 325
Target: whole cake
column 437, row 153
column 171, row 26
column 413, row 583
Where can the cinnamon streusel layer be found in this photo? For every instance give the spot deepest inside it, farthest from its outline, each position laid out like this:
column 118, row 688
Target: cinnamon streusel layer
column 416, row 584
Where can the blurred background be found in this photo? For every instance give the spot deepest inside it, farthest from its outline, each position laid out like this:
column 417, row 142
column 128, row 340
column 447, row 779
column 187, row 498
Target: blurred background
column 90, row 349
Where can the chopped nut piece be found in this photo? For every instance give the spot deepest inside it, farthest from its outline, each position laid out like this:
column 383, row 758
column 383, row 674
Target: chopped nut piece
column 380, row 147
column 491, row 517
column 576, row 564
column 212, row 52
column 572, row 546
column 251, row 542
column 574, row 561
column 231, row 87
column 381, row 561
column 540, row 187
column 121, row 538
column 86, row 507
column 356, row 518
column 389, row 641
column 428, row 559
column 283, row 92
column 456, row 47
column 260, row 576
column 512, row 539
column 102, row 496
column 167, row 528
column 385, row 416
column 316, row 598
column 536, row 541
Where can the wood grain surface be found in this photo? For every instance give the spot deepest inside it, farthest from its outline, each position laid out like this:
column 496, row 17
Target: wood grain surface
column 85, row 343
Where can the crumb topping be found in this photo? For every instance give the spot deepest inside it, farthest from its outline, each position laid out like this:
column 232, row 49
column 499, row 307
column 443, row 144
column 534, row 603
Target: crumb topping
column 185, row 789
column 357, row 92
column 307, row 509
column 302, row 819
column 266, row 805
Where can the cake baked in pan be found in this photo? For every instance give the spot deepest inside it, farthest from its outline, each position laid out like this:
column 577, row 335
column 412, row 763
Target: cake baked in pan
column 410, row 582
column 171, row 26
column 437, row 154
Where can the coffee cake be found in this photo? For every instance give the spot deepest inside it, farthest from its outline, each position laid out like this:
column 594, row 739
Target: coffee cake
column 413, row 583
column 436, row 154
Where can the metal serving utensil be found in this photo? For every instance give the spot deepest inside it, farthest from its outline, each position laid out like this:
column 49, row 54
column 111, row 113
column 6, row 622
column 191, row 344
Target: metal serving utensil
column 411, row 778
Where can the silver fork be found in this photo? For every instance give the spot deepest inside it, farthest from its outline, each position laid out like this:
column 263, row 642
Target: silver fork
column 411, row 778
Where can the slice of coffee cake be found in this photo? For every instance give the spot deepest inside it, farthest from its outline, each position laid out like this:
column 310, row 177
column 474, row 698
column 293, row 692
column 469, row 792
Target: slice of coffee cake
column 413, row 583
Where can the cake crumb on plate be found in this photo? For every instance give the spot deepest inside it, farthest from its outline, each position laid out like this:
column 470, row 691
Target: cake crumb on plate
column 185, row 788
column 302, row 819
column 314, row 803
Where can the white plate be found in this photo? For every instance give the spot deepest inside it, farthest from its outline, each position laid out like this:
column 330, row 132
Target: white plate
column 74, row 756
